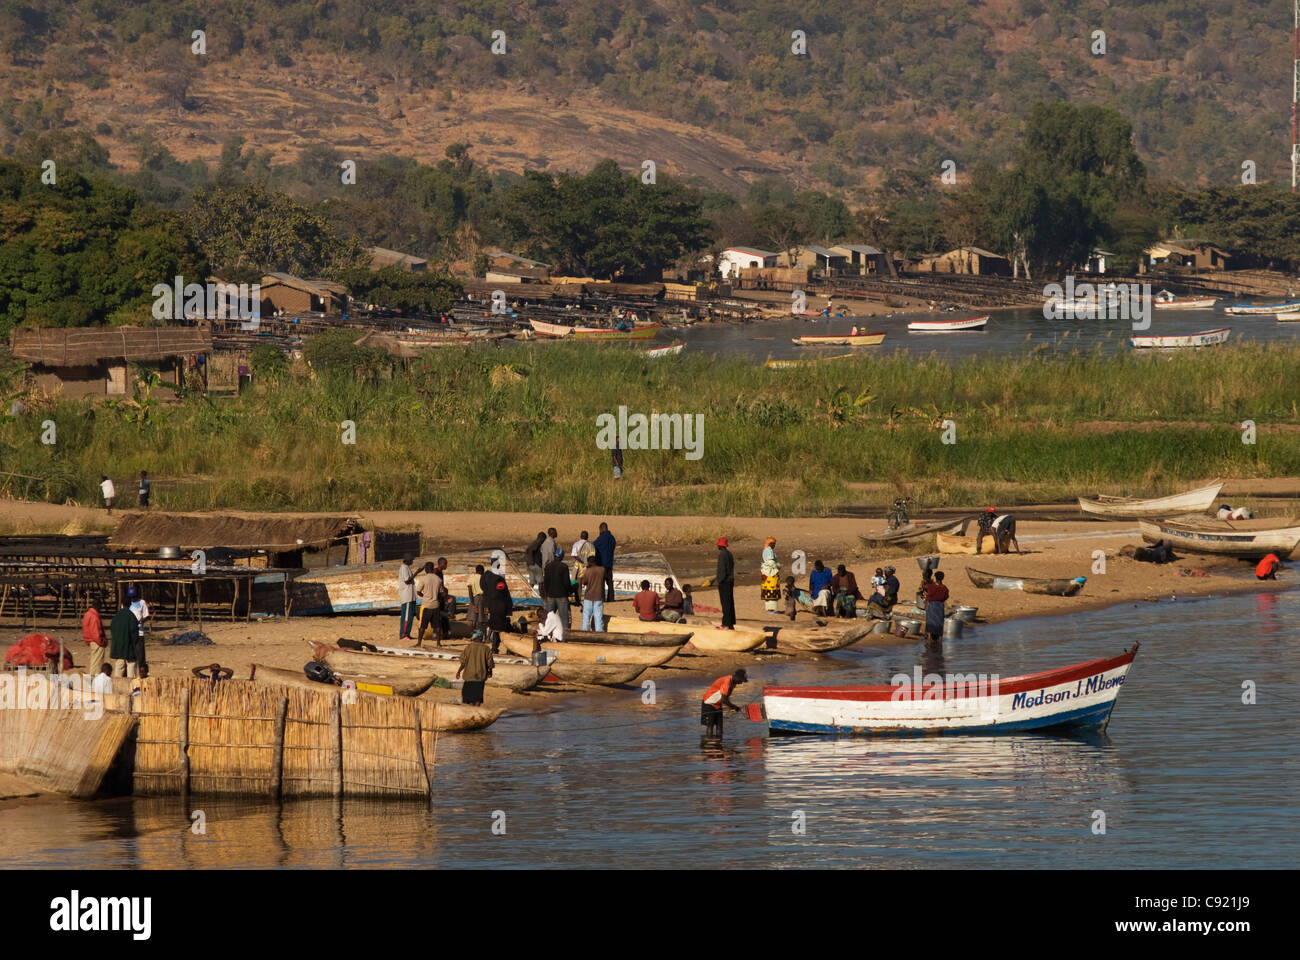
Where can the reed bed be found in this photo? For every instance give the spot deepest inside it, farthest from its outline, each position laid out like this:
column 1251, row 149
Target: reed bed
column 243, row 738
column 449, row 433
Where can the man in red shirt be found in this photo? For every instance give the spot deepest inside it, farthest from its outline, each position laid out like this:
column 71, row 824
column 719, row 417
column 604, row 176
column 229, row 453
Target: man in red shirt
column 92, row 631
column 715, row 698
column 646, row 603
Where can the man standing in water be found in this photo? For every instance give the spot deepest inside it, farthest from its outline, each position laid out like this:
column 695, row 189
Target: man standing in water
column 476, row 665
column 726, row 580
column 715, row 698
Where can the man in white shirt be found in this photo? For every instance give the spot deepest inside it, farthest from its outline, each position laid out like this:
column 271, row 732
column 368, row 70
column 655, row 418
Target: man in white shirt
column 103, row 682
column 139, row 607
column 551, row 629
column 107, row 492
column 406, row 597
column 582, row 548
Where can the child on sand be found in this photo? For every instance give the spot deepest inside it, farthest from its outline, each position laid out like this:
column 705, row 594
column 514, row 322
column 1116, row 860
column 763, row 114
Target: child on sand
column 791, row 596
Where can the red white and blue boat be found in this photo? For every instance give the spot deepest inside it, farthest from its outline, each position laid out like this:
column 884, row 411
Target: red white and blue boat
column 1247, row 309
column 1080, row 697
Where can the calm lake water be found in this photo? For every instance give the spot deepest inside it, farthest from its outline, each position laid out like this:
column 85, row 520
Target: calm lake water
column 1008, row 332
column 1187, row 775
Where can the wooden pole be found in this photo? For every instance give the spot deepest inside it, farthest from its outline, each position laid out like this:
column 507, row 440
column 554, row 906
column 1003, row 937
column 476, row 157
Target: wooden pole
column 177, row 620
column 185, row 741
column 419, row 753
column 277, row 758
column 336, row 743
column 198, row 600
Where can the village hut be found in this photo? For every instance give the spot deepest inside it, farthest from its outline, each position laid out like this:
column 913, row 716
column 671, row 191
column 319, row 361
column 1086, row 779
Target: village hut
column 86, row 362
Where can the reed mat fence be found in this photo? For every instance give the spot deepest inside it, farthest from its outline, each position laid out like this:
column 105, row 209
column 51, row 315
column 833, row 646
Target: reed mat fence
column 239, row 737
column 61, row 747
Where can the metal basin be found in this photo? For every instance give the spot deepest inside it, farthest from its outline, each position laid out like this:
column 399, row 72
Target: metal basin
column 965, row 614
column 952, row 628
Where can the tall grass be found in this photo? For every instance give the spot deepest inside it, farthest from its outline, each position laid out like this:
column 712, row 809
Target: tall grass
column 514, row 429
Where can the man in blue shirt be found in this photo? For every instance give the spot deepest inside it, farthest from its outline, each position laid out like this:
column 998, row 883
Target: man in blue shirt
column 604, row 544
column 819, row 588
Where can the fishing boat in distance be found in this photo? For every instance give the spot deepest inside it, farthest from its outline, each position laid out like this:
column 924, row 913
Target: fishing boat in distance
column 1164, row 300
column 1052, row 586
column 948, row 326
column 1205, row 338
column 1249, row 309
column 1193, row 501
column 1079, row 697
column 644, row 331
column 840, row 340
column 1221, row 537
column 667, row 350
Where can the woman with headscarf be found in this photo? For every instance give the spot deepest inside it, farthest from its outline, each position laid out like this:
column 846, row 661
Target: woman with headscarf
column 770, row 590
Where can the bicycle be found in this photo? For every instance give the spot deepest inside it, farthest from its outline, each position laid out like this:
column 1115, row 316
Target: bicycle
column 898, row 517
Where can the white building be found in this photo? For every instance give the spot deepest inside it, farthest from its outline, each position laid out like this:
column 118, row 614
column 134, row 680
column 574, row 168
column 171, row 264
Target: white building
column 732, row 260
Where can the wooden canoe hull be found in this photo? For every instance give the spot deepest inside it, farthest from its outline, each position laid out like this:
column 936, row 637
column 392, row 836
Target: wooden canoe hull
column 703, row 637
column 572, row 651
column 913, row 531
column 1223, row 540
column 668, row 350
column 1193, row 501
column 404, row 686
column 640, row 639
column 1205, row 338
column 861, row 340
column 1052, row 586
column 513, row 673
column 601, row 674
column 951, row 543
column 1078, row 697
column 947, row 326
column 822, row 639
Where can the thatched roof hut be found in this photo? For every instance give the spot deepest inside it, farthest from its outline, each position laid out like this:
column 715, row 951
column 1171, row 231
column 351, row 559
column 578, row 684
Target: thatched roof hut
column 149, row 531
column 81, row 347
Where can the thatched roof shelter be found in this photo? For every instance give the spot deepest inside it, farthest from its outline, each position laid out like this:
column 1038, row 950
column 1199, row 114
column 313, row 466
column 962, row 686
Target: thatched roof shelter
column 149, row 531
column 82, row 346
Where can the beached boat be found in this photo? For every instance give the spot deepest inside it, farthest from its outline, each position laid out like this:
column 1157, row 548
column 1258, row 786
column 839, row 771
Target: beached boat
column 1205, row 338
column 601, row 674
column 513, row 673
column 1078, row 697
column 952, row 543
column 404, row 684
column 522, row 646
column 703, row 636
column 644, row 331
column 629, row 570
column 627, row 638
column 910, row 531
column 667, row 350
column 841, row 340
column 1220, row 537
column 1164, row 300
column 1053, row 586
column 948, row 326
column 1193, row 501
column 823, row 639
column 1289, row 317
column 1248, row 309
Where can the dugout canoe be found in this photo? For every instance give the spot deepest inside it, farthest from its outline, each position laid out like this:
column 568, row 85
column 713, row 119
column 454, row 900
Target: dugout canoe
column 1206, row 338
column 1220, row 537
column 411, row 685
column 911, row 531
column 644, row 331
column 841, row 340
column 703, row 636
column 513, row 673
column 823, row 639
column 1193, row 501
column 1052, row 586
column 600, row 674
column 573, row 651
column 626, row 638
column 1078, row 697
column 948, row 326
column 1167, row 301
